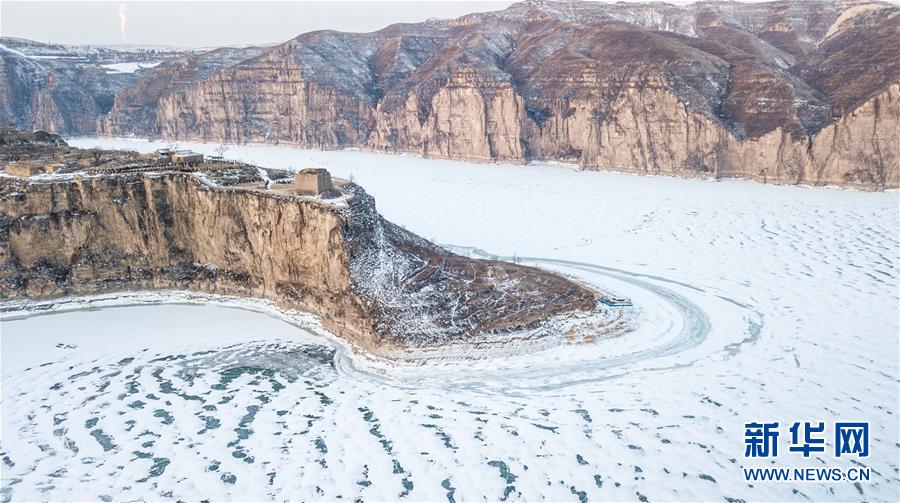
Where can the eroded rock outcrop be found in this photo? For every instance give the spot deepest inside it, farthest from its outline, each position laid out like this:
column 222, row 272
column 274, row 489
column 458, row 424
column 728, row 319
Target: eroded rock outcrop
column 218, row 229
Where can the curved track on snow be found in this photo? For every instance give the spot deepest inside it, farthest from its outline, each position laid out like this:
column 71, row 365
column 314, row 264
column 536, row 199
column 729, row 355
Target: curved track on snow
column 681, row 325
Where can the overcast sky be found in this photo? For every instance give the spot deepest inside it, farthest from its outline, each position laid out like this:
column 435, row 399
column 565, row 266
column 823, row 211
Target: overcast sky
column 212, row 23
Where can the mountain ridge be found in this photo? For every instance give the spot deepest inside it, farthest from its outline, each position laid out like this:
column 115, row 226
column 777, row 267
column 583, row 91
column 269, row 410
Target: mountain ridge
column 709, row 89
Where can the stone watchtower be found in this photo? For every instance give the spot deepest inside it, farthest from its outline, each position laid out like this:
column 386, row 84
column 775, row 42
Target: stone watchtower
column 313, row 181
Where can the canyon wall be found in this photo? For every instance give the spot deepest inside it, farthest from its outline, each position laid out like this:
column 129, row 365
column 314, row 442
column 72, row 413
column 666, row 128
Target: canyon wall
column 36, row 97
column 370, row 282
column 782, row 92
column 863, row 147
column 266, row 99
column 645, row 130
column 135, row 232
column 470, row 118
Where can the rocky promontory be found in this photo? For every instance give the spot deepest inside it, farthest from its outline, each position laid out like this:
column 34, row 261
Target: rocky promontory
column 105, row 221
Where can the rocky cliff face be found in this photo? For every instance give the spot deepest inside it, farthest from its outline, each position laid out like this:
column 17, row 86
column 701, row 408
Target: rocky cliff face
column 33, row 96
column 369, row 281
column 264, row 99
column 139, row 107
column 89, row 235
column 63, row 88
column 783, row 92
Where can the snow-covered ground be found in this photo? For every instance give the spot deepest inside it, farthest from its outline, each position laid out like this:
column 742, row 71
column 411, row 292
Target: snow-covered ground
column 129, row 67
column 762, row 303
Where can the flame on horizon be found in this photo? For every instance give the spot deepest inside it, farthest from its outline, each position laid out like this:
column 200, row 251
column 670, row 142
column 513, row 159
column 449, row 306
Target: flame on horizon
column 123, row 19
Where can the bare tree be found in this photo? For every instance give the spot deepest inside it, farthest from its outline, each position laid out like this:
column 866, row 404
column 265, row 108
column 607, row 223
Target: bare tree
column 97, row 154
column 221, row 149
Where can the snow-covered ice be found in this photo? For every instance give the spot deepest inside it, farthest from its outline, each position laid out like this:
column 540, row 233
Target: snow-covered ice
column 759, row 303
column 129, row 67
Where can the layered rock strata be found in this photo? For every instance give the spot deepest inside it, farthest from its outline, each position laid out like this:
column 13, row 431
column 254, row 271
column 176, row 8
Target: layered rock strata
column 791, row 92
column 218, row 230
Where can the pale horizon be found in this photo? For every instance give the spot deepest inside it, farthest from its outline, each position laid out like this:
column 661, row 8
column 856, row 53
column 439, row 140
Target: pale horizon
column 199, row 24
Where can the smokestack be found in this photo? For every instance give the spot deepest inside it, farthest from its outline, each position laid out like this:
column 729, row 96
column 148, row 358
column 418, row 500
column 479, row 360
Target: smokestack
column 123, row 19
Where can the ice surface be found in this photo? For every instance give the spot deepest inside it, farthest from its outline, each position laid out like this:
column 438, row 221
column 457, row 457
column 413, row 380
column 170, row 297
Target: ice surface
column 129, row 67
column 758, row 303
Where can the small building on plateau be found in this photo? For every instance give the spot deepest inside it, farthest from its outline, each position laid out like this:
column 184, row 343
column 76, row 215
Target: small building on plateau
column 313, row 181
column 186, row 157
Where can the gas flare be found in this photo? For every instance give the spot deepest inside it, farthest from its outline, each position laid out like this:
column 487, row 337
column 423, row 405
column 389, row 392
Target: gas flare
column 123, row 19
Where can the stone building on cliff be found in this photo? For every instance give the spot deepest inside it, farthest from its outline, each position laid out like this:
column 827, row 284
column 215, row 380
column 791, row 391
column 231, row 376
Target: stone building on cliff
column 313, row 181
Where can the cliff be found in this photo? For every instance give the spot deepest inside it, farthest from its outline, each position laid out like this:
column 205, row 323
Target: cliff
column 36, row 97
column 64, row 88
column 782, row 92
column 217, row 229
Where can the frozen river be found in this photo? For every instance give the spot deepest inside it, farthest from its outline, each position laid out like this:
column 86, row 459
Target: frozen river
column 762, row 303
